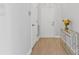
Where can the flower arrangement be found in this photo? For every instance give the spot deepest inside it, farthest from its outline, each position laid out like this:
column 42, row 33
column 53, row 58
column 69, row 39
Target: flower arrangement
column 66, row 23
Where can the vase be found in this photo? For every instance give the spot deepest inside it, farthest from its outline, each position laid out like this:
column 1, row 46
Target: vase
column 66, row 28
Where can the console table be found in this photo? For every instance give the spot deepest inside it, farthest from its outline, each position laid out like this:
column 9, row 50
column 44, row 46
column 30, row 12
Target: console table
column 70, row 41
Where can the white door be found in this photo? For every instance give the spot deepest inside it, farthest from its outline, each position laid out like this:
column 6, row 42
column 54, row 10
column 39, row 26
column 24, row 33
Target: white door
column 34, row 25
column 47, row 22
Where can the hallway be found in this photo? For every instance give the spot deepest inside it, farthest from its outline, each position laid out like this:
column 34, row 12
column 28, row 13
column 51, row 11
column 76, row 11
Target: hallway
column 48, row 46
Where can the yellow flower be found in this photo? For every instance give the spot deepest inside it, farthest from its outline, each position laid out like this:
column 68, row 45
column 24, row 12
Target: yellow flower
column 66, row 22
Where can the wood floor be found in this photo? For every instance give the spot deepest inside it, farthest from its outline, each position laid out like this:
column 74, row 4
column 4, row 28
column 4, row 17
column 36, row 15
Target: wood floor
column 48, row 46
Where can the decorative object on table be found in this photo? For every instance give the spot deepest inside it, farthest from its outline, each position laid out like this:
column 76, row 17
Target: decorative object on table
column 66, row 23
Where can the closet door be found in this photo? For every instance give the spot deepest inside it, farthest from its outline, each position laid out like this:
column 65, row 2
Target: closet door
column 47, row 21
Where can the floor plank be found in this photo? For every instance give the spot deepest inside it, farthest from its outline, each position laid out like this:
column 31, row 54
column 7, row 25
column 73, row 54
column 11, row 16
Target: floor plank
column 48, row 46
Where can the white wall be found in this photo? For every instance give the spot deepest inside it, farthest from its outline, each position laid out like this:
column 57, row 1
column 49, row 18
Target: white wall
column 4, row 41
column 65, row 10
column 14, row 30
column 71, row 11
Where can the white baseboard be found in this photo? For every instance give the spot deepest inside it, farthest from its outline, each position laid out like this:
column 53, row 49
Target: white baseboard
column 30, row 51
column 50, row 37
column 35, row 42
